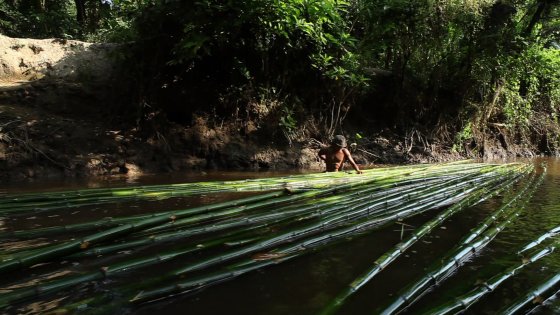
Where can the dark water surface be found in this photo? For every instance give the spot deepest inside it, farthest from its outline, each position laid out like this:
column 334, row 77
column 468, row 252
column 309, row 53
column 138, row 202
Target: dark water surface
column 305, row 284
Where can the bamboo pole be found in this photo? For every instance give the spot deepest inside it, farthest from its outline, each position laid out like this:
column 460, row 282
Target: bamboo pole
column 105, row 195
column 285, row 253
column 290, row 251
column 70, row 247
column 384, row 260
column 540, row 293
column 328, row 223
column 305, row 195
column 102, row 273
column 354, row 215
column 67, row 199
column 457, row 256
column 67, row 248
column 259, row 220
column 463, row 302
column 551, row 233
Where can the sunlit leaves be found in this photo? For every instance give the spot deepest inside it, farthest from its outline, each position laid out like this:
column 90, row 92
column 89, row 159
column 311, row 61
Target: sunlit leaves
column 318, row 26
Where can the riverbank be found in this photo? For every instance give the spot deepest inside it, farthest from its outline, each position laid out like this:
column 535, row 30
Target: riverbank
column 58, row 117
column 42, row 140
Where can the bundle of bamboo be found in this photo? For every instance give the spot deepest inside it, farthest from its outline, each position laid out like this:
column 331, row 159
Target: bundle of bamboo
column 224, row 240
column 471, row 244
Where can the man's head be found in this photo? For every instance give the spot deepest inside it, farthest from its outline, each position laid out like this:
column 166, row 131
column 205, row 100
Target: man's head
column 339, row 141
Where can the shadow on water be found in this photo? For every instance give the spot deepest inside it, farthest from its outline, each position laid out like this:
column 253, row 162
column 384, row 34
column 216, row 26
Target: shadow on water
column 306, row 284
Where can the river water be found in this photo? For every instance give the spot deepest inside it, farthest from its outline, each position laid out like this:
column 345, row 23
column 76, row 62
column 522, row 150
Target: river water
column 306, row 284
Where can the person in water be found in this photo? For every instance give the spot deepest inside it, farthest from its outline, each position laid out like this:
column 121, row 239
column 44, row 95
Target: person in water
column 336, row 154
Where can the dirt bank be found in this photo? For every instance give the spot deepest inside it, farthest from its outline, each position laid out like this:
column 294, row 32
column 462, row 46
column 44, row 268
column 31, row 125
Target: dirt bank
column 39, row 140
column 56, row 119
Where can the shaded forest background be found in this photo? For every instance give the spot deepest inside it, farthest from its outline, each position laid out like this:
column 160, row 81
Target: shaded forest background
column 444, row 75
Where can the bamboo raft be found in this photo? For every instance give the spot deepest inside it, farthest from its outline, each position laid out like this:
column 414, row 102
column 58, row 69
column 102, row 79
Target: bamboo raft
column 266, row 222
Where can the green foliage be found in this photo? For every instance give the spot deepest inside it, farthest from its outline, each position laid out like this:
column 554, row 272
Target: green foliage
column 50, row 19
column 321, row 28
column 428, row 47
column 288, row 123
column 465, row 134
column 219, row 54
column 325, row 57
column 315, row 28
column 9, row 18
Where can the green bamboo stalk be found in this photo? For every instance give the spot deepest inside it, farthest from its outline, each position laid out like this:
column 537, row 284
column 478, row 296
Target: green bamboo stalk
column 161, row 191
column 419, row 288
column 191, row 210
column 412, row 293
column 205, row 280
column 328, row 223
column 260, row 246
column 457, row 257
column 465, row 301
column 117, row 221
column 68, row 199
column 553, row 298
column 262, row 219
column 307, row 194
column 527, row 301
column 105, row 272
column 384, row 260
column 57, row 285
column 75, row 246
column 50, row 287
column 553, row 232
column 341, row 200
column 288, row 252
column 70, row 247
column 102, row 273
column 109, row 233
column 444, row 192
column 110, row 222
column 80, row 226
column 527, row 191
column 284, row 254
column 166, row 238
column 291, row 250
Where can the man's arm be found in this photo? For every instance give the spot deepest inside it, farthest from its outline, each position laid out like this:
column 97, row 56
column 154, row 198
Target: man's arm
column 351, row 160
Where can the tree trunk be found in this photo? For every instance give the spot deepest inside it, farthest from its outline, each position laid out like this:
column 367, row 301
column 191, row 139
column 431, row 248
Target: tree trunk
column 80, row 11
column 535, row 18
